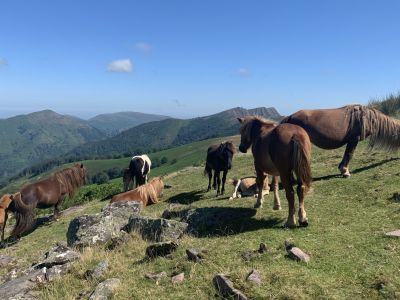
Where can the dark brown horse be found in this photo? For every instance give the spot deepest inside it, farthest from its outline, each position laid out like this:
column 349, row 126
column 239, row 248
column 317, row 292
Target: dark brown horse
column 46, row 193
column 333, row 128
column 219, row 158
column 280, row 151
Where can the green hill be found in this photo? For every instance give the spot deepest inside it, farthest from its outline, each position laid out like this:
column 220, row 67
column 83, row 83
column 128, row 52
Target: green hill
column 32, row 138
column 168, row 133
column 114, row 123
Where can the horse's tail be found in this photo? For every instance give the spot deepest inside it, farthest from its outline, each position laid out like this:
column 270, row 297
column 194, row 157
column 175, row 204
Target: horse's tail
column 302, row 161
column 24, row 215
column 384, row 130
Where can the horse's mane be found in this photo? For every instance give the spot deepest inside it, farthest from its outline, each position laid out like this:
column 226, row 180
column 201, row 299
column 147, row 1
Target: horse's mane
column 72, row 178
column 5, row 201
column 229, row 145
column 248, row 122
column 384, row 130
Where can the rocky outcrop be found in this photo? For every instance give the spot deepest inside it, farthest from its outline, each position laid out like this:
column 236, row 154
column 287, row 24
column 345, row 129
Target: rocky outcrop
column 105, row 289
column 100, row 228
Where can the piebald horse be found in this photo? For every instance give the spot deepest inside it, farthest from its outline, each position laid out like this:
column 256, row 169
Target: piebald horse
column 279, row 150
column 347, row 125
column 139, row 168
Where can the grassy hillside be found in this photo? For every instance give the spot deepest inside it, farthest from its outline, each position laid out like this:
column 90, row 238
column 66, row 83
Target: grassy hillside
column 114, row 123
column 169, row 133
column 350, row 256
column 29, row 139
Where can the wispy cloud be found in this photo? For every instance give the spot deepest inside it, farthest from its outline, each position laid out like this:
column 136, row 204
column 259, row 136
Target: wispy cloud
column 120, row 66
column 144, row 47
column 243, row 72
column 3, row 62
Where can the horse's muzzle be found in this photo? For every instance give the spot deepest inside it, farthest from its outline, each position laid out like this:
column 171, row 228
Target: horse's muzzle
column 242, row 149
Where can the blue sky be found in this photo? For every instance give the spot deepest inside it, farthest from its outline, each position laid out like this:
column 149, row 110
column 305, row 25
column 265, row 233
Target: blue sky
column 190, row 58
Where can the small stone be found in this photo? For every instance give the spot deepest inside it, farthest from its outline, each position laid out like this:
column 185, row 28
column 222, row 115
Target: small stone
column 298, row 254
column 98, row 271
column 248, row 255
column 178, row 278
column 155, row 276
column 105, row 289
column 195, row 255
column 395, row 233
column 161, row 249
column 226, row 288
column 289, row 244
column 263, row 248
column 254, row 276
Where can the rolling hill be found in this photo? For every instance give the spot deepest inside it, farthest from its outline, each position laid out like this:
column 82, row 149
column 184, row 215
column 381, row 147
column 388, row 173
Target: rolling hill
column 32, row 138
column 168, row 133
column 114, row 123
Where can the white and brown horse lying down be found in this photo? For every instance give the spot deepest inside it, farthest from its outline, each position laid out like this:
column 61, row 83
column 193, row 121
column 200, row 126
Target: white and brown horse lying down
column 247, row 187
column 149, row 193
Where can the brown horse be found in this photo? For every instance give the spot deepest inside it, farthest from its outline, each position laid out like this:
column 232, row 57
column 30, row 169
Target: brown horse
column 280, row 151
column 5, row 207
column 333, row 128
column 219, row 158
column 247, row 186
column 150, row 193
column 44, row 194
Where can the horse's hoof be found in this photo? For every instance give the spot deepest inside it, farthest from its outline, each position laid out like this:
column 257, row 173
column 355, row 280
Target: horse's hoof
column 346, row 175
column 277, row 207
column 303, row 223
column 258, row 205
column 230, row 198
column 289, row 225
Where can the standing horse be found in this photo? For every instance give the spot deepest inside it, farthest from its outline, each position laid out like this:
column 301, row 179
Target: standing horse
column 219, row 158
column 280, row 151
column 44, row 194
column 333, row 128
column 149, row 193
column 139, row 168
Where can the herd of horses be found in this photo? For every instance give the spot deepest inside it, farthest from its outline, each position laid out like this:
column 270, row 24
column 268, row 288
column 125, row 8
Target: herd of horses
column 281, row 150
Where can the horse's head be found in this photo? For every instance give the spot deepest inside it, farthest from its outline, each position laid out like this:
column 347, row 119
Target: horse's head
column 225, row 152
column 126, row 178
column 83, row 173
column 250, row 129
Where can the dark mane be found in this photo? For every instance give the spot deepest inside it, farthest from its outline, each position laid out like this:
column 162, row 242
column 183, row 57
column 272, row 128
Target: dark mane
column 229, row 145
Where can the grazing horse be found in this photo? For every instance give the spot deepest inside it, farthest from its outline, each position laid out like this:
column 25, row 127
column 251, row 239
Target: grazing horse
column 333, row 128
column 139, row 168
column 247, row 187
column 149, row 193
column 5, row 207
column 219, row 158
column 46, row 193
column 279, row 150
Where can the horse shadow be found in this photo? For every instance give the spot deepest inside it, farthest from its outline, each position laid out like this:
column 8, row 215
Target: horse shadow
column 186, row 197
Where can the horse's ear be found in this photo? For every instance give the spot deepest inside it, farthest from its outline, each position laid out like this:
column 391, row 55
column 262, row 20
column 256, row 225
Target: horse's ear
column 81, row 165
column 240, row 120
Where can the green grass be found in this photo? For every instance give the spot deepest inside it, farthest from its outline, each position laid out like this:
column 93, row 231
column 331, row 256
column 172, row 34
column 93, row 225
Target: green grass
column 350, row 255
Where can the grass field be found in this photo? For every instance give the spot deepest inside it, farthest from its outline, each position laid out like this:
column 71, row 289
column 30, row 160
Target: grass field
column 350, row 255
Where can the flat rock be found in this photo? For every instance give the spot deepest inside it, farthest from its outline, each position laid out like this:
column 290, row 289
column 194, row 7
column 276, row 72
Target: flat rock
column 20, row 286
column 161, row 249
column 298, row 254
column 56, row 271
column 58, row 255
column 156, row 229
column 395, row 233
column 226, row 288
column 100, row 228
column 98, row 271
column 105, row 289
column 178, row 278
column 7, row 260
column 254, row 276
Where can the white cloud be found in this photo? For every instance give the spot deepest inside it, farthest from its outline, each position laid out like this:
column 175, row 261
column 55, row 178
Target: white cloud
column 120, row 66
column 244, row 72
column 3, row 62
column 144, row 47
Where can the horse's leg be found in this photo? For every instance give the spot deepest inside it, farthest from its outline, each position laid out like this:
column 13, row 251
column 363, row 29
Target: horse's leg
column 209, row 172
column 303, row 221
column 223, row 181
column 287, row 183
column 2, row 244
column 348, row 154
column 277, row 200
column 260, row 186
column 215, row 180
column 217, row 174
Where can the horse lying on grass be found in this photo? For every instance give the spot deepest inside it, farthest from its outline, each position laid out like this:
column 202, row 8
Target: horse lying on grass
column 5, row 206
column 150, row 193
column 247, row 187
column 279, row 150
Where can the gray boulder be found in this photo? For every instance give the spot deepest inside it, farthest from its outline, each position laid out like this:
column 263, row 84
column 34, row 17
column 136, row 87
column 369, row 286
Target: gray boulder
column 105, row 289
column 100, row 228
column 58, row 255
column 156, row 229
column 98, row 271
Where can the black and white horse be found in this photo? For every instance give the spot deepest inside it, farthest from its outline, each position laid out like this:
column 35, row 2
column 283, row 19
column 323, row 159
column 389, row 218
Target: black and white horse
column 139, row 168
column 219, row 158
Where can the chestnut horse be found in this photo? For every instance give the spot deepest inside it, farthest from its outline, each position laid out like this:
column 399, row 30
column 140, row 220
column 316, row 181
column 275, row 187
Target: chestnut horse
column 247, row 186
column 139, row 168
column 5, row 207
column 219, row 158
column 150, row 193
column 46, row 193
column 279, row 150
column 333, row 128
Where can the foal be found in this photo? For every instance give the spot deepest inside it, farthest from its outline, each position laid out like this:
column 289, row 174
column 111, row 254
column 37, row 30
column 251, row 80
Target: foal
column 280, row 151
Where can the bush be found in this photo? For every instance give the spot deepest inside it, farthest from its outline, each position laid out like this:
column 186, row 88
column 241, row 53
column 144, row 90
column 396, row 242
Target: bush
column 100, row 178
column 164, row 160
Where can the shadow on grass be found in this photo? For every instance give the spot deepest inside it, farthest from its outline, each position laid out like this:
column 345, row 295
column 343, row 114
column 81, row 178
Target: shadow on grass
column 358, row 170
column 186, row 197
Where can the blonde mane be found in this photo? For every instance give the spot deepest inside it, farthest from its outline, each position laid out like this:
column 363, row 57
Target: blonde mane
column 72, row 178
column 249, row 122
